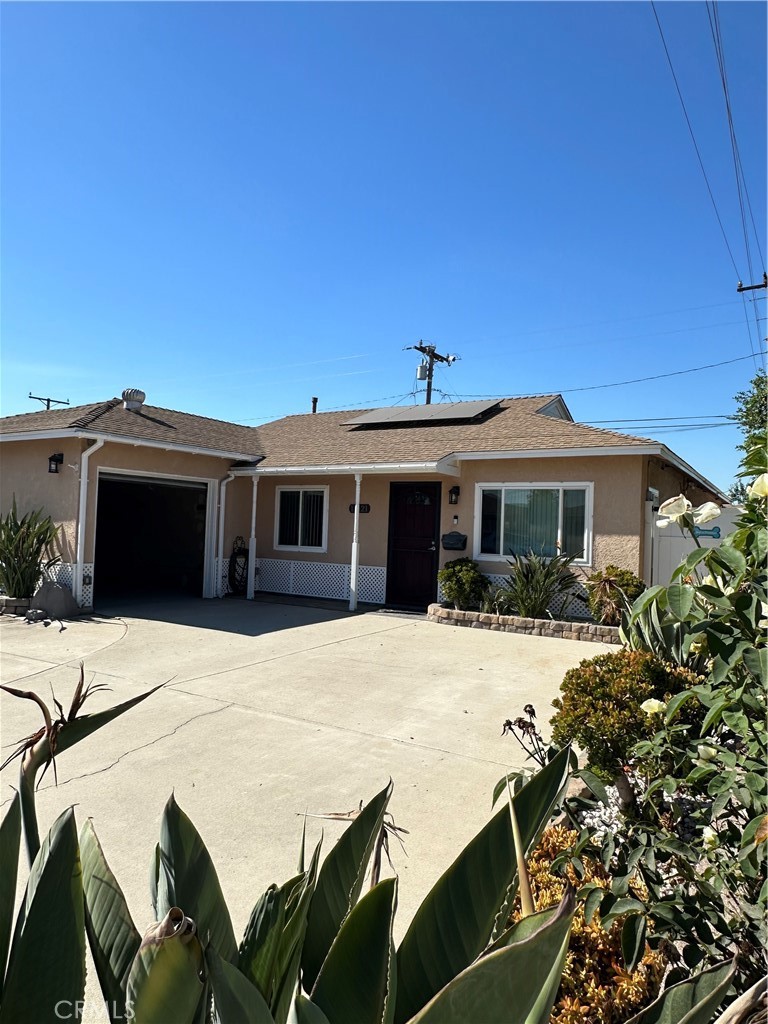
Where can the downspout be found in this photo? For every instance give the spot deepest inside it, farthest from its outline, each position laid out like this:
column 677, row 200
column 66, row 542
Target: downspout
column 81, row 519
column 252, row 544
column 222, row 512
column 355, row 547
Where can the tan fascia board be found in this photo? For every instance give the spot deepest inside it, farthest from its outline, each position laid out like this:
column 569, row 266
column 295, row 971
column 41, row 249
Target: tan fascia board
column 652, row 448
column 443, row 467
column 42, row 435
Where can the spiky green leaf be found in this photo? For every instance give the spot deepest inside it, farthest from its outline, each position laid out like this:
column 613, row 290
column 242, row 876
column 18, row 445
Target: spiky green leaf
column 10, row 840
column 456, row 920
column 340, row 882
column 235, row 999
column 47, row 958
column 112, row 935
column 304, row 1011
column 692, row 1001
column 356, row 981
column 164, row 982
column 516, row 984
column 191, row 881
column 258, row 950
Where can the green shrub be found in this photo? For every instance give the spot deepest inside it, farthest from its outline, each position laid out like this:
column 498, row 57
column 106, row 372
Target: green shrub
column 463, row 583
column 611, row 592
column 600, row 707
column 25, row 550
column 536, row 583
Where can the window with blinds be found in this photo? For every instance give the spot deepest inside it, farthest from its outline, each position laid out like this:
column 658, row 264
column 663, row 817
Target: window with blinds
column 515, row 519
column 301, row 518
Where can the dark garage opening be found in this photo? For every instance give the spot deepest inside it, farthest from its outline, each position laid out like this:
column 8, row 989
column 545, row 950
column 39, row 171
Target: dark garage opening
column 150, row 537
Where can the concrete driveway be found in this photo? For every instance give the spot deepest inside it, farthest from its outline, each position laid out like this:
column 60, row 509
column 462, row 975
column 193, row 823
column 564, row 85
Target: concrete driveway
column 271, row 709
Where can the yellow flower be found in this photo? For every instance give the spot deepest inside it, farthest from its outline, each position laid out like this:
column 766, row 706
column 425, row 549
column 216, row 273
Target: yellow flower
column 759, row 488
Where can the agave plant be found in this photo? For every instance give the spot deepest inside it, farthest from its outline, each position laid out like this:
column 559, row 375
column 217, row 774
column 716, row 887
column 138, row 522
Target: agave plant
column 536, row 584
column 25, row 550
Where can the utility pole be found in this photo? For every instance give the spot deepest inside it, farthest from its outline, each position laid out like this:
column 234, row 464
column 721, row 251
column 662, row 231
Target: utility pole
column 753, row 287
column 47, row 401
column 433, row 356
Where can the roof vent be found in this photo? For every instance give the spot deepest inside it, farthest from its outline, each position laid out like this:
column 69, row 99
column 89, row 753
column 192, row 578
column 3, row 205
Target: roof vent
column 133, row 398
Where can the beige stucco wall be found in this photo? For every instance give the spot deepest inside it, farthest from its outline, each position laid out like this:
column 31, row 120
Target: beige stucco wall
column 24, row 474
column 617, row 501
column 617, row 523
column 618, row 507
column 374, row 525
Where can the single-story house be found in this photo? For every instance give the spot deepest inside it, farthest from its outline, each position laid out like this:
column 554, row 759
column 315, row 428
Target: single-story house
column 359, row 506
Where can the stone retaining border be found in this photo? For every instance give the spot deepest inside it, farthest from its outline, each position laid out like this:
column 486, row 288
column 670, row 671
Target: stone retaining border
column 589, row 631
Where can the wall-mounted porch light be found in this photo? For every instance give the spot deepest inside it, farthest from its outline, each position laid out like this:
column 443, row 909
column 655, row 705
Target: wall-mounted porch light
column 453, row 495
column 54, row 461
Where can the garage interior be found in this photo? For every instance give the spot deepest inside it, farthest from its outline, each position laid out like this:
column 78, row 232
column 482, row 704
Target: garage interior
column 150, row 537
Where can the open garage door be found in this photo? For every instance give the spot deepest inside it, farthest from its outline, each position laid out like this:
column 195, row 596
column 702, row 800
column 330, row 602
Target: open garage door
column 150, row 537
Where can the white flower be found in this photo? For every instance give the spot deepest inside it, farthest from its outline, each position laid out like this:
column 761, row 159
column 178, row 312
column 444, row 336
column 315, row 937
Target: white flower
column 759, row 488
column 705, row 513
column 653, row 706
column 706, row 753
column 673, row 510
column 709, row 838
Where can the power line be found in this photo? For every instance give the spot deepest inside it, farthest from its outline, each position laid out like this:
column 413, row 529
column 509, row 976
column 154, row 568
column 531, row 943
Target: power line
column 660, row 419
column 693, row 139
column 714, row 26
column 738, row 169
column 623, row 383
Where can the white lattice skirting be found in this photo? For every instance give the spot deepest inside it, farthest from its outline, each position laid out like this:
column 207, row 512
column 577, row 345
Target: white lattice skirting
column 321, row 579
column 61, row 573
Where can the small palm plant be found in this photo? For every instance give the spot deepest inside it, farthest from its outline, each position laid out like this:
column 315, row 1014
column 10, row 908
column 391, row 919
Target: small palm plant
column 536, row 584
column 25, row 550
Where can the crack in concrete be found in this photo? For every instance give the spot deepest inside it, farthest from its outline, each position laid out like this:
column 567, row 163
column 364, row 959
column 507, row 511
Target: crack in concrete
column 291, row 654
column 282, row 716
column 52, row 666
column 133, row 750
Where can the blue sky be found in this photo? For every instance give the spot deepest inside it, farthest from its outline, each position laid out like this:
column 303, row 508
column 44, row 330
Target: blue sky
column 238, row 206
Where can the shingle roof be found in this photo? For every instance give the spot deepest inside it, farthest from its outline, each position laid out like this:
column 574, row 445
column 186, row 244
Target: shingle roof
column 148, row 423
column 321, row 439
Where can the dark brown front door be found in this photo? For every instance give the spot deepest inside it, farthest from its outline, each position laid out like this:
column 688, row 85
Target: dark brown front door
column 414, row 525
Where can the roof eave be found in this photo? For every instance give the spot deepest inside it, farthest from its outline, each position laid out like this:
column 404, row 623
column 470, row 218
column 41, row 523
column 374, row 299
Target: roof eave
column 136, row 442
column 442, row 467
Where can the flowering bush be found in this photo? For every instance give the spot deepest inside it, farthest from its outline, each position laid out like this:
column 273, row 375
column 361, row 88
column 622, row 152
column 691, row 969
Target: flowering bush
column 698, row 837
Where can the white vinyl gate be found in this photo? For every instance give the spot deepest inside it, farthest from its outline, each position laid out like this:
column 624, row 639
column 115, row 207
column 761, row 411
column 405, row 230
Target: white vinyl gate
column 665, row 549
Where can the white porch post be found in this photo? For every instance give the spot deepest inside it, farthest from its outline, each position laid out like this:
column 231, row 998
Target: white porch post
column 252, row 543
column 355, row 547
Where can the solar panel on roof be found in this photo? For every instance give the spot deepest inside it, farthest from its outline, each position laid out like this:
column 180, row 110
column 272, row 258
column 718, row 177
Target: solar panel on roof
column 423, row 414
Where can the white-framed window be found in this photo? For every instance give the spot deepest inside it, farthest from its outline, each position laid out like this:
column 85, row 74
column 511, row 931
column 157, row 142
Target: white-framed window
column 301, row 518
column 546, row 518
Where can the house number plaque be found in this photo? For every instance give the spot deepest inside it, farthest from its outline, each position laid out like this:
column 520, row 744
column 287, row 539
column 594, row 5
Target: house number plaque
column 363, row 508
